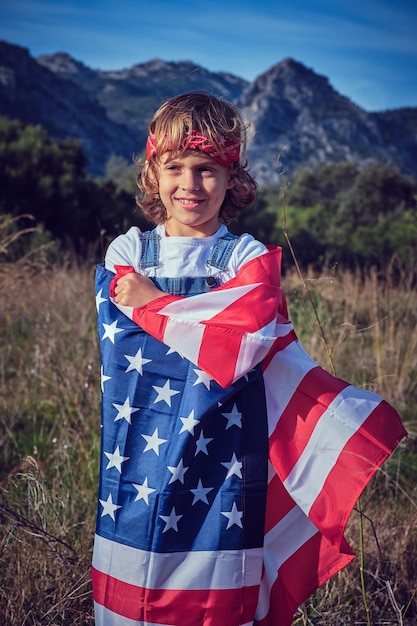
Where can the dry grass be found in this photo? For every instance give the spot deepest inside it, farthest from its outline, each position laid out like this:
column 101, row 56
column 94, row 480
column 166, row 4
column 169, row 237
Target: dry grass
column 49, row 435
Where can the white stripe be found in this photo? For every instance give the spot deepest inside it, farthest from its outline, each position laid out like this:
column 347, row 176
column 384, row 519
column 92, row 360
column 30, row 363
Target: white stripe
column 282, row 377
column 282, row 330
column 185, row 338
column 271, row 471
column 126, row 310
column 206, row 305
column 281, row 542
column 253, row 349
column 227, row 569
column 346, row 413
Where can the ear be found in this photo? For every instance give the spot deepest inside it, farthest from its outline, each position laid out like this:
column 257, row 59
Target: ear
column 152, row 172
column 231, row 182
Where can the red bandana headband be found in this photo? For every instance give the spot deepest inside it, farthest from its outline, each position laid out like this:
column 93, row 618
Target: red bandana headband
column 230, row 148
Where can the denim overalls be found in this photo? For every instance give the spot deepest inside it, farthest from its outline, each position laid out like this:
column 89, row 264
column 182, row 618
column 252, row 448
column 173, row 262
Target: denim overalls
column 186, row 286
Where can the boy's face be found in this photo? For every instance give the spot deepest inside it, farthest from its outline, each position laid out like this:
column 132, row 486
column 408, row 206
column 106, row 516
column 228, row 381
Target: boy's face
column 192, row 187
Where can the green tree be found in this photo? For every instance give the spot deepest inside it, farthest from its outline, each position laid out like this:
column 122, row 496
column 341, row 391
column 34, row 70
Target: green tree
column 122, row 174
column 261, row 220
column 321, row 185
column 47, row 179
column 352, row 215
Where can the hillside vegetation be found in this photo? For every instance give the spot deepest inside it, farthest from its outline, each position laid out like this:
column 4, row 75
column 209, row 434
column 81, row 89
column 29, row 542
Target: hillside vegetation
column 341, row 213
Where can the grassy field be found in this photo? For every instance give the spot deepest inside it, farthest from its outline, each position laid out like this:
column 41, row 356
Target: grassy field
column 49, row 434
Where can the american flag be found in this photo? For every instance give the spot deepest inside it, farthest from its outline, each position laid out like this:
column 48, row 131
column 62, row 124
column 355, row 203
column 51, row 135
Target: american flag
column 193, row 391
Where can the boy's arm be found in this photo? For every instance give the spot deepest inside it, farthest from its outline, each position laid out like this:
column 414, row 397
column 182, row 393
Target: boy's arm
column 135, row 290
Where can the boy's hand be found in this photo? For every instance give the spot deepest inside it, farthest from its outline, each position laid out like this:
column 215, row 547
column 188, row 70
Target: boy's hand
column 136, row 290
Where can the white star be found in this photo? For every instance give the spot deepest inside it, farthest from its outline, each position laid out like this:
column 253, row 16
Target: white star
column 108, row 507
column 124, row 411
column 202, row 378
column 136, row 362
column 164, row 393
column 234, row 418
column 143, row 491
column 110, row 330
column 234, row 517
column 99, row 299
column 172, row 351
column 234, row 467
column 177, row 472
column 116, row 459
column 188, row 423
column 171, row 520
column 202, row 443
column 153, row 442
column 200, row 493
column 103, row 379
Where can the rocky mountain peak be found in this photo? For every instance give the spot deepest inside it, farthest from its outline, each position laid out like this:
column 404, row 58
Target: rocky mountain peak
column 298, row 114
column 64, row 65
column 293, row 83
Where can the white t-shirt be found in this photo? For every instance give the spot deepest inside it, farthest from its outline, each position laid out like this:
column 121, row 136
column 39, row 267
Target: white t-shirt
column 181, row 256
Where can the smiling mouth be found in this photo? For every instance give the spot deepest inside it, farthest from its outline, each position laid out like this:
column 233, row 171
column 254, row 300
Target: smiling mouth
column 189, row 204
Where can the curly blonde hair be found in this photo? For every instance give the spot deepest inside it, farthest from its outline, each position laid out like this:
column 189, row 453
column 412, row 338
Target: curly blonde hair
column 217, row 120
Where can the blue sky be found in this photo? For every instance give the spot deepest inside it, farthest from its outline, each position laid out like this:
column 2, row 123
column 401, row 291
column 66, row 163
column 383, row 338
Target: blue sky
column 367, row 49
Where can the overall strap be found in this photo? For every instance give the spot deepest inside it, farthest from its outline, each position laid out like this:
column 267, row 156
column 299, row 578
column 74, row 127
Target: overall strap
column 150, row 249
column 220, row 258
column 223, row 251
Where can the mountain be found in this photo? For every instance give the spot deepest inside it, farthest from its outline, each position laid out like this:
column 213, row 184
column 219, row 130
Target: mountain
column 35, row 95
column 297, row 115
column 131, row 96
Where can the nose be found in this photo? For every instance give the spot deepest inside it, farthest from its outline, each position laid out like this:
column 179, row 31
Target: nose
column 189, row 180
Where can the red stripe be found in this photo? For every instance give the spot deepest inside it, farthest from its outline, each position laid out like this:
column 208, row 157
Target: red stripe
column 279, row 503
column 213, row 607
column 360, row 458
column 151, row 323
column 300, row 417
column 250, row 312
column 307, row 568
column 262, row 269
column 279, row 344
column 121, row 270
column 217, row 341
column 384, row 428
